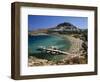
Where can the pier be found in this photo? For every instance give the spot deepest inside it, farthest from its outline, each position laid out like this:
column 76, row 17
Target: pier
column 53, row 50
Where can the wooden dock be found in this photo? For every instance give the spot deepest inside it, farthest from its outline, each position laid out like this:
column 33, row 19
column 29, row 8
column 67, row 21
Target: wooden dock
column 53, row 51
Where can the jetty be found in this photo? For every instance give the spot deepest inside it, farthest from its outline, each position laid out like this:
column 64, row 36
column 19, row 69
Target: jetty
column 52, row 50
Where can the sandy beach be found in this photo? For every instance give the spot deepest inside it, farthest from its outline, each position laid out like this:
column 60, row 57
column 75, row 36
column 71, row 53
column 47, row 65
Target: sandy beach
column 75, row 48
column 75, row 44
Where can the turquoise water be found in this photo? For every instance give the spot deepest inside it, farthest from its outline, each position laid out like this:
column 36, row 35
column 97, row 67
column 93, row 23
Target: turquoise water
column 46, row 40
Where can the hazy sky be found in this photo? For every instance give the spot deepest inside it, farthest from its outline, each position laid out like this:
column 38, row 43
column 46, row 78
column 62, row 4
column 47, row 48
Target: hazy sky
column 40, row 21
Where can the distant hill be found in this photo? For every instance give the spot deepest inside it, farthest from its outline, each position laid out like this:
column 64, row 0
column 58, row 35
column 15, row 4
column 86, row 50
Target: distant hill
column 64, row 27
column 38, row 31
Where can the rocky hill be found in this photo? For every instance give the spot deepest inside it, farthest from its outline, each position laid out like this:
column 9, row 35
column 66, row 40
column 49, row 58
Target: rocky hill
column 64, row 28
column 66, row 25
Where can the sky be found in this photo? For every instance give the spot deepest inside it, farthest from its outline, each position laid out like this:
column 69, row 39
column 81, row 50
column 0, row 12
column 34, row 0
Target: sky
column 42, row 21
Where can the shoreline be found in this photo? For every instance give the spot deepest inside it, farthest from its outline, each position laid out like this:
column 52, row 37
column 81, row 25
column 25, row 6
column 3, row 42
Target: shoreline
column 75, row 44
column 75, row 47
column 74, row 50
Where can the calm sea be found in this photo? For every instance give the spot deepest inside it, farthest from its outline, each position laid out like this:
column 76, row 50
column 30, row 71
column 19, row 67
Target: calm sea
column 34, row 42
